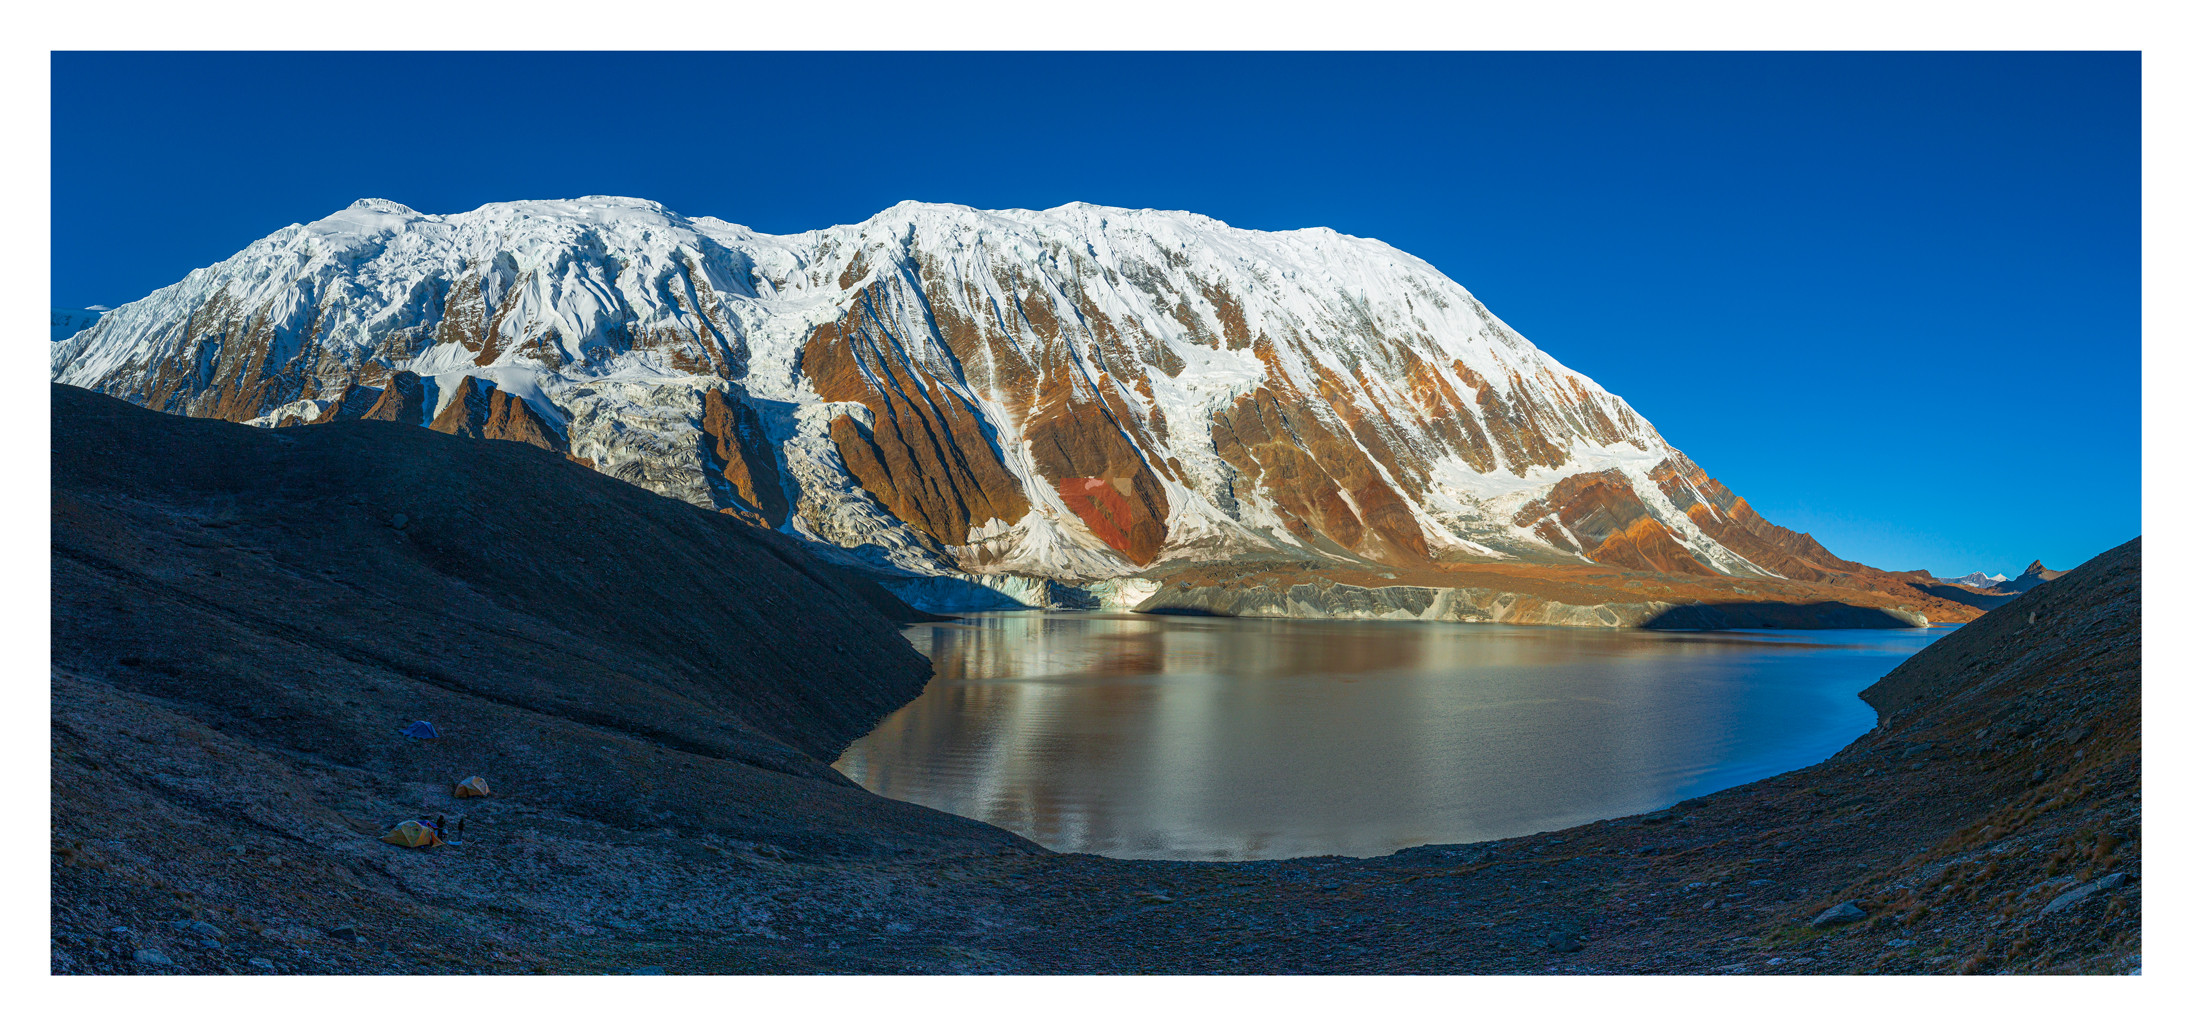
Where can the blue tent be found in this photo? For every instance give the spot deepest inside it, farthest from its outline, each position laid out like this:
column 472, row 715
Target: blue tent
column 419, row 729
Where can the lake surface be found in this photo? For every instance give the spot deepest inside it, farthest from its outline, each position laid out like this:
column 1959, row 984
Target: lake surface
column 1216, row 738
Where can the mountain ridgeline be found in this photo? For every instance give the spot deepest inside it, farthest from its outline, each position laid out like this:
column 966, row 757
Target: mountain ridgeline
column 1079, row 395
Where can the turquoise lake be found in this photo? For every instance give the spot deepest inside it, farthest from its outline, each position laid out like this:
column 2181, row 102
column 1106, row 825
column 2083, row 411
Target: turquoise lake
column 1215, row 738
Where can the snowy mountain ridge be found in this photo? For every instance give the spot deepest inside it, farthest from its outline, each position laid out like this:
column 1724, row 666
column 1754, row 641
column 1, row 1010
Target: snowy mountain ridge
column 1074, row 394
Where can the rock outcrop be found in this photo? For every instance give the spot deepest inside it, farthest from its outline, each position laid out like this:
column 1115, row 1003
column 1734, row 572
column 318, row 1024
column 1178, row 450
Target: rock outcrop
column 475, row 408
column 2034, row 576
column 741, row 462
column 352, row 402
column 402, row 401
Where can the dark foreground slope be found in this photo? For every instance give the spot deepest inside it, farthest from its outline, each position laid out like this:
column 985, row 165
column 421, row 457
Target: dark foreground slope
column 240, row 626
column 238, row 631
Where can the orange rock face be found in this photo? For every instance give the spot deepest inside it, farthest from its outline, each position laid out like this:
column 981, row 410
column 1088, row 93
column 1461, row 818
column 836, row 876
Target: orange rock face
column 480, row 410
column 233, row 363
column 465, row 414
column 402, row 401
column 740, row 460
column 511, row 418
column 1075, row 440
column 1280, row 446
column 1731, row 521
column 1592, row 508
column 1079, row 429
column 1647, row 545
column 926, row 459
column 350, row 404
column 1102, row 506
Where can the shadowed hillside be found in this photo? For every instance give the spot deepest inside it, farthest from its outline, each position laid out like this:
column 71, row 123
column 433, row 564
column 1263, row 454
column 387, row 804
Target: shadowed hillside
column 242, row 619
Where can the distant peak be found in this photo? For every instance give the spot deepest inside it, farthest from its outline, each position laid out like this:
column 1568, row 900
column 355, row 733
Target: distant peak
column 385, row 206
column 2036, row 568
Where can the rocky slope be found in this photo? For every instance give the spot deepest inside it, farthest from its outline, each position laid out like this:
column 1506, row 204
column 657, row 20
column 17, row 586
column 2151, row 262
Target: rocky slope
column 1066, row 396
column 241, row 622
column 242, row 619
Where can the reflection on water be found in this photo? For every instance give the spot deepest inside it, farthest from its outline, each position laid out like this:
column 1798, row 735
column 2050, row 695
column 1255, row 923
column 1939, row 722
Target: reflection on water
column 1207, row 738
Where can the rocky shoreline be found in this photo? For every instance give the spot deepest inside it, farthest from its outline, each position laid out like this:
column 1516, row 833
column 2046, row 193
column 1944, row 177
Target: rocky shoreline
column 1583, row 595
column 236, row 638
column 1329, row 600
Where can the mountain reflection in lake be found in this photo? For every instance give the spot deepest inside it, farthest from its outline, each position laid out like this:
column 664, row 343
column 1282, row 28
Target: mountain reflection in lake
column 1207, row 738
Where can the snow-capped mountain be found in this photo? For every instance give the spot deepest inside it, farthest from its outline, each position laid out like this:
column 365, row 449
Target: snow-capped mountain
column 1977, row 579
column 69, row 322
column 1073, row 394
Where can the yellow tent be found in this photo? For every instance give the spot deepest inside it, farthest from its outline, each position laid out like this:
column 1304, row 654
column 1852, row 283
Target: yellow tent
column 474, row 787
column 412, row 834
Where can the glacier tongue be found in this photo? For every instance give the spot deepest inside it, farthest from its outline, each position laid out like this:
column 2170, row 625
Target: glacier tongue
column 1073, row 394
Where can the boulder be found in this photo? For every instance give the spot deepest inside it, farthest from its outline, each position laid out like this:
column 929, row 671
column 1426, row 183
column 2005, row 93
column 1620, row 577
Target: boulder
column 2082, row 892
column 1846, row 912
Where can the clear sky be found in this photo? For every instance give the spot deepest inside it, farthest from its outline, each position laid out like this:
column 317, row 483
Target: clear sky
column 1891, row 298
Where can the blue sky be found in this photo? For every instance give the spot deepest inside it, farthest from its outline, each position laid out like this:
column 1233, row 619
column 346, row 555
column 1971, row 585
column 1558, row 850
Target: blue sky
column 1891, row 298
